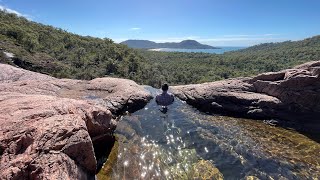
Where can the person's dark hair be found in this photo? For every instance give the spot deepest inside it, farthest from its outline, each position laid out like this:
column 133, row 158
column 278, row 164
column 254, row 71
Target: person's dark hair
column 165, row 87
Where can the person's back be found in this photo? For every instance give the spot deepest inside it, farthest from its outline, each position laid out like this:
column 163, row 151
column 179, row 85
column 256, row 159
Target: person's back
column 165, row 98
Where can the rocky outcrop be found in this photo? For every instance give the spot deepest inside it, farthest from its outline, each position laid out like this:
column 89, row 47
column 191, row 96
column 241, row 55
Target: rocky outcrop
column 43, row 136
column 292, row 94
column 12, row 74
column 118, row 95
column 48, row 126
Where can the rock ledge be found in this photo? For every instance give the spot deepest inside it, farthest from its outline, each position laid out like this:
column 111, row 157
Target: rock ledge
column 292, row 95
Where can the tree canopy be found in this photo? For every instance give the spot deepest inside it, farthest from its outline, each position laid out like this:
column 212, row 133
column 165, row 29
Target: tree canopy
column 59, row 53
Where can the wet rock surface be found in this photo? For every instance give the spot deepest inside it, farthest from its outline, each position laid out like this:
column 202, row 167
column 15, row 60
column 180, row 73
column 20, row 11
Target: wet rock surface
column 292, row 94
column 48, row 126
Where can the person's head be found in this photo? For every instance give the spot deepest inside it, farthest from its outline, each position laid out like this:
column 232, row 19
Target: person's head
column 165, row 87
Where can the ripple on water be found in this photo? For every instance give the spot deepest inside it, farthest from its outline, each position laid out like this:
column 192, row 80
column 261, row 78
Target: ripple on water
column 186, row 144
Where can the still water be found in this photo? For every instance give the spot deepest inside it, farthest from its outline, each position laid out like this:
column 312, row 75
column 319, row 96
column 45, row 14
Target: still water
column 187, row 144
column 221, row 50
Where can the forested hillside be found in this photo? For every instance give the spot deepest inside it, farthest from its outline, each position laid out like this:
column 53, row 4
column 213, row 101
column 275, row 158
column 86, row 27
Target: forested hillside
column 186, row 68
column 59, row 53
column 56, row 52
column 186, row 44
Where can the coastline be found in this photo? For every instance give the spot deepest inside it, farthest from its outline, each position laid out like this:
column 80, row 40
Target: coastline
column 220, row 50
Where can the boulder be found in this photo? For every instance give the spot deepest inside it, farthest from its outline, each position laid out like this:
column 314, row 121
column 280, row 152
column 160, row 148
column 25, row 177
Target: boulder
column 10, row 73
column 231, row 97
column 46, row 136
column 292, row 94
column 118, row 95
column 49, row 126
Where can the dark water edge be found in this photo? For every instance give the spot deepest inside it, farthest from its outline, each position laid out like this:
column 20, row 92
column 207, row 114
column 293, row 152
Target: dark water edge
column 188, row 144
column 102, row 149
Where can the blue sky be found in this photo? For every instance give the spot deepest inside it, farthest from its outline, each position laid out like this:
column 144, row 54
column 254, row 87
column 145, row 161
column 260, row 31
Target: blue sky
column 219, row 23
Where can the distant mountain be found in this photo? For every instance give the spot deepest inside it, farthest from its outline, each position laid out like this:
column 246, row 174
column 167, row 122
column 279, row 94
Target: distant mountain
column 141, row 44
column 186, row 44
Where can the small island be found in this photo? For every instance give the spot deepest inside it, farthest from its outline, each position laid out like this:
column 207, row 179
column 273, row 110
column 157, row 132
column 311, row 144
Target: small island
column 186, row 44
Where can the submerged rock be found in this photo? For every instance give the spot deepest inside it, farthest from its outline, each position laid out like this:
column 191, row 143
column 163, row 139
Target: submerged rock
column 292, row 94
column 205, row 170
column 48, row 126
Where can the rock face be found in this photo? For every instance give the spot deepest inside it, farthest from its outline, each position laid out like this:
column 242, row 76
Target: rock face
column 41, row 136
column 292, row 94
column 118, row 95
column 11, row 74
column 48, row 126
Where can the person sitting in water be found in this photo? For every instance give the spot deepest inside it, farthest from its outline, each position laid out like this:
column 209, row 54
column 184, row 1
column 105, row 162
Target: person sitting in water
column 164, row 99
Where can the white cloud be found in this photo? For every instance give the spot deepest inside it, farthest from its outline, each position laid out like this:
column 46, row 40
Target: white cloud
column 3, row 8
column 135, row 29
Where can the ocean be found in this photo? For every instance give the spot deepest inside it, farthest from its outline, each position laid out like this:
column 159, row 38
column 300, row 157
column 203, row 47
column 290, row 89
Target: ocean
column 212, row 51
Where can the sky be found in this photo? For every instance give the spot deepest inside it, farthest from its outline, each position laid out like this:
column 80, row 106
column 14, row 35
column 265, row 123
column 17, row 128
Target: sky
column 213, row 22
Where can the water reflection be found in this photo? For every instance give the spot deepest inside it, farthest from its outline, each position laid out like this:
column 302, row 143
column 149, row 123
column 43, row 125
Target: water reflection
column 186, row 144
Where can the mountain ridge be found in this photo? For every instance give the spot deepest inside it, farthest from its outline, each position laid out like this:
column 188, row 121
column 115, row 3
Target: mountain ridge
column 147, row 44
